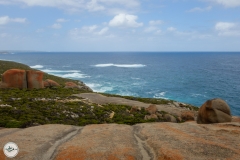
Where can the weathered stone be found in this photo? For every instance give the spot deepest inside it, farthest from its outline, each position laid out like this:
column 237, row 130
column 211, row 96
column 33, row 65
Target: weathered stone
column 71, row 85
column 14, row 78
column 152, row 116
column 187, row 116
column 34, row 79
column 170, row 118
column 111, row 115
column 134, row 109
column 214, row 111
column 50, row 83
column 152, row 109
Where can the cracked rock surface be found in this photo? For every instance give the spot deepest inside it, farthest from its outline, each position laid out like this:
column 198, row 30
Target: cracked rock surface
column 163, row 141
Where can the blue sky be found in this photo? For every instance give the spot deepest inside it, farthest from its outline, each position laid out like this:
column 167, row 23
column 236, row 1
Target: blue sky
column 120, row 25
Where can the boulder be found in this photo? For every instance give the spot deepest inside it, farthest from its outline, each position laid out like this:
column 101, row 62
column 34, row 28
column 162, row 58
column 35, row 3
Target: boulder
column 135, row 109
column 170, row 118
column 152, row 116
column 71, row 85
column 14, row 78
column 187, row 116
column 34, row 79
column 50, row 83
column 152, row 109
column 214, row 111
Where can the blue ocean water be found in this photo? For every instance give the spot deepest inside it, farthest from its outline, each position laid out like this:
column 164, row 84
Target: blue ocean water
column 190, row 77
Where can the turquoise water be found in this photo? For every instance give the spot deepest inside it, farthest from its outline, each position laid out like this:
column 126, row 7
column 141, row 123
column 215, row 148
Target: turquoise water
column 183, row 76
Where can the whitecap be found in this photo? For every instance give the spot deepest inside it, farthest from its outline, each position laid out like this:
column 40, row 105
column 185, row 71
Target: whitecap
column 74, row 75
column 160, row 95
column 120, row 65
column 60, row 71
column 37, row 66
column 99, row 88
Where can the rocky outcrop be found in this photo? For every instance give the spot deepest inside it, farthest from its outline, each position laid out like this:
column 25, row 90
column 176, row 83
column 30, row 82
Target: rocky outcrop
column 214, row 111
column 187, row 116
column 152, row 109
column 17, row 78
column 71, row 85
column 34, row 79
column 50, row 83
column 163, row 141
column 14, row 78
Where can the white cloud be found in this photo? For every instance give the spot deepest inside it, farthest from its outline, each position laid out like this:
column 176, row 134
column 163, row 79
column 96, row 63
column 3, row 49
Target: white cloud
column 103, row 31
column 89, row 29
column 125, row 20
column 228, row 3
column 61, row 20
column 150, row 29
column 198, row 9
column 5, row 20
column 40, row 30
column 56, row 26
column 79, row 5
column 157, row 22
column 227, row 29
column 94, row 6
column 171, row 29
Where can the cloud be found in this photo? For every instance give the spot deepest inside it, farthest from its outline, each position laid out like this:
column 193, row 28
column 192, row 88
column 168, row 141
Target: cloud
column 56, row 26
column 125, row 20
column 198, row 9
column 94, row 6
column 150, row 29
column 227, row 3
column 78, row 5
column 89, row 29
column 61, row 20
column 103, row 31
column 5, row 20
column 227, row 29
column 171, row 29
column 157, row 22
column 88, row 32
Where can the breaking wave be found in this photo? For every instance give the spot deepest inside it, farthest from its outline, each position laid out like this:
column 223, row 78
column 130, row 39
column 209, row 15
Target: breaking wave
column 37, row 66
column 120, row 65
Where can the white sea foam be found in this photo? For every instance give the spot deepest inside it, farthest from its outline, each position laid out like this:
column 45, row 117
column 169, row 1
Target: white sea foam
column 60, row 71
column 135, row 78
column 73, row 75
column 160, row 95
column 37, row 66
column 99, row 88
column 120, row 65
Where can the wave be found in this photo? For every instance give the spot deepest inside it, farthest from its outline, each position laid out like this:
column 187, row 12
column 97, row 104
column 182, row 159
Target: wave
column 120, row 65
column 37, row 66
column 99, row 88
column 160, row 95
column 72, row 75
column 60, row 71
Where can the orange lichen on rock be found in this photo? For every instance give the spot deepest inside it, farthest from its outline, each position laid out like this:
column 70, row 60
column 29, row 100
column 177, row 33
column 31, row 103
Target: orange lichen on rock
column 14, row 78
column 34, row 79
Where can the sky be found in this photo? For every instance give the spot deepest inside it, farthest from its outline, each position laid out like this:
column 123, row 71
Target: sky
column 120, row 25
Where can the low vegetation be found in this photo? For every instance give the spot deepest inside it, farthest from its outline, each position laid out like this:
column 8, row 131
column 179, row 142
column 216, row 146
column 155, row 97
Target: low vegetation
column 25, row 108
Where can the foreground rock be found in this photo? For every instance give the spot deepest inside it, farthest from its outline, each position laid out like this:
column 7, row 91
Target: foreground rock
column 214, row 111
column 165, row 141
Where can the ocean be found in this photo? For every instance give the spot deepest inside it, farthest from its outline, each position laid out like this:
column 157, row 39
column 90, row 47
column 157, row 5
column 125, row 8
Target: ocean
column 188, row 77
